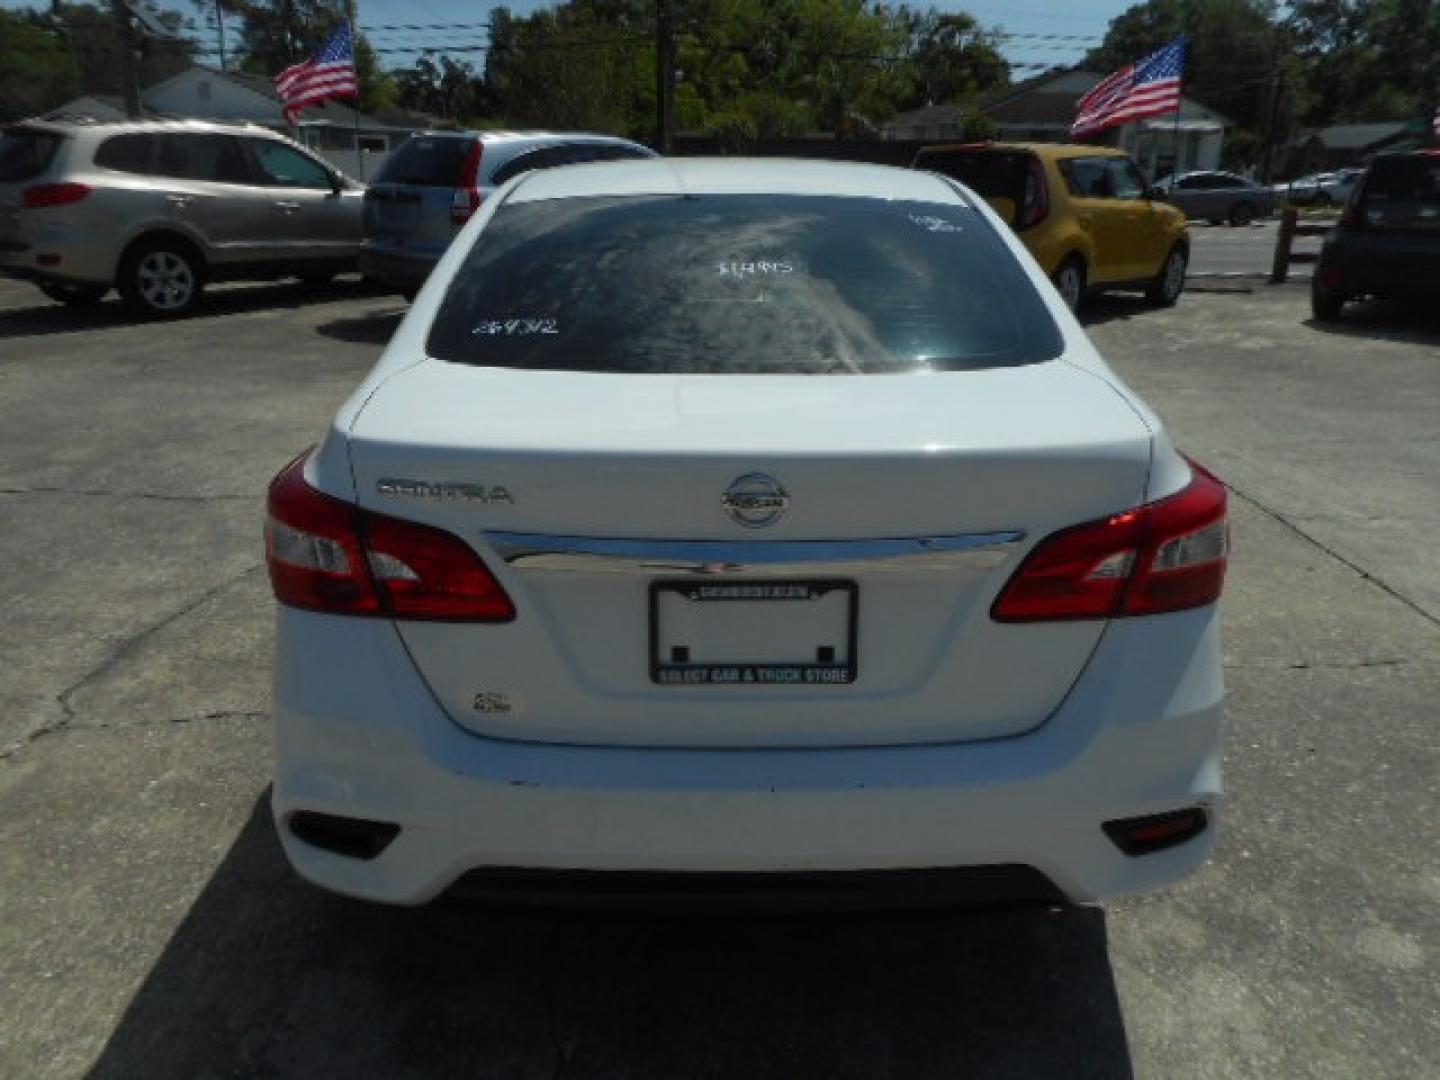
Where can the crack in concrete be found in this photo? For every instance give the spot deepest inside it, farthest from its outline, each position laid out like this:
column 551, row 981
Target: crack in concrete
column 1325, row 665
column 69, row 729
column 1379, row 582
column 127, row 647
column 104, row 493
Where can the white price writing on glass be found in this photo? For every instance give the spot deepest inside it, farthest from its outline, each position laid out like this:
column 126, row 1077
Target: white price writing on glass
column 515, row 327
column 737, row 268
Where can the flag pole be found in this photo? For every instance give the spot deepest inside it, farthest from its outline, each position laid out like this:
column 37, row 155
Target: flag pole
column 350, row 13
column 1179, row 104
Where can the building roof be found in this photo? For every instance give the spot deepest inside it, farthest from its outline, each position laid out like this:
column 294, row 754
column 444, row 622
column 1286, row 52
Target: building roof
column 332, row 112
column 1048, row 100
column 1359, row 136
column 930, row 115
column 102, row 107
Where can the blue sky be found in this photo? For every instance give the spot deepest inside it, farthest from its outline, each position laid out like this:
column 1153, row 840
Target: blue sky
column 1067, row 18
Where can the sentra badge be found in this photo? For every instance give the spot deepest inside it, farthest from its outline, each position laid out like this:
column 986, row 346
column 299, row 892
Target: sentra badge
column 397, row 488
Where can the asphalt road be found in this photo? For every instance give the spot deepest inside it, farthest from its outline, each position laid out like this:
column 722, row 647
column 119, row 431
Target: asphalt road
column 149, row 926
column 1221, row 249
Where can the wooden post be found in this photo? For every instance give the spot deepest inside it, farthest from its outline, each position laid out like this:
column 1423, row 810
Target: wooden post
column 1284, row 239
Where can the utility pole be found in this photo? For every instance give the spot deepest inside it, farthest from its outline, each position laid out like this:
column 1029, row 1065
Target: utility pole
column 220, row 25
column 129, row 80
column 664, row 78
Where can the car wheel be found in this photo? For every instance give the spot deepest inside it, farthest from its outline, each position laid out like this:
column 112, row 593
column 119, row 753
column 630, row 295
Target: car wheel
column 1165, row 290
column 1325, row 306
column 161, row 278
column 1070, row 281
column 1242, row 214
column 73, row 295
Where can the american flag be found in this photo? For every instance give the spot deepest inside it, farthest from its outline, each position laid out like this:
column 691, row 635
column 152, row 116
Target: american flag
column 330, row 74
column 1148, row 88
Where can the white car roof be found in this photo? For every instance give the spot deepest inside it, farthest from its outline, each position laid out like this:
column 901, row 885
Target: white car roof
column 733, row 176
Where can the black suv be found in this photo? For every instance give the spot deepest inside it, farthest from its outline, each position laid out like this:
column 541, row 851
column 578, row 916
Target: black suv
column 1388, row 240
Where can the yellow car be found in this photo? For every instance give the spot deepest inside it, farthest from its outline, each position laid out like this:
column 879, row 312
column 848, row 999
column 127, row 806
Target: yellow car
column 1084, row 212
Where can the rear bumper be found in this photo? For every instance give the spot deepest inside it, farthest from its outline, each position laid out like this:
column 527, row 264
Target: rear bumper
column 358, row 735
column 402, row 272
column 1351, row 268
column 57, row 252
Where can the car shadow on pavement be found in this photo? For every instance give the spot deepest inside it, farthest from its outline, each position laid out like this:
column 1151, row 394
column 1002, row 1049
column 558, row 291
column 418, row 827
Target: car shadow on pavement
column 50, row 318
column 1389, row 320
column 267, row 976
column 375, row 328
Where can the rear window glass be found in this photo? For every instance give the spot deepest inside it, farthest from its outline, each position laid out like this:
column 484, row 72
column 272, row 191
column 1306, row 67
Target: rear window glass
column 24, row 154
column 427, row 161
column 1403, row 191
column 742, row 284
column 991, row 174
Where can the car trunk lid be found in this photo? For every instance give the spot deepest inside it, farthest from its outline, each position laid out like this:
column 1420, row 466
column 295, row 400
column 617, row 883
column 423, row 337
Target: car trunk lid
column 598, row 501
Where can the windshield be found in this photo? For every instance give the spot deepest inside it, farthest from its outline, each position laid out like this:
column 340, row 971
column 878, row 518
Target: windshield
column 24, row 153
column 742, row 284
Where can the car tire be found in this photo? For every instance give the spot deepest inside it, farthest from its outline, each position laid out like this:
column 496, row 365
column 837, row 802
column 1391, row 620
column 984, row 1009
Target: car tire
column 1242, row 214
column 1165, row 290
column 161, row 278
column 1325, row 306
column 1069, row 281
column 74, row 295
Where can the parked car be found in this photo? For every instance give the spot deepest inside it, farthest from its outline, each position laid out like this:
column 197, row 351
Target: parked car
column 1321, row 189
column 158, row 209
column 721, row 523
column 1218, row 196
column 1387, row 241
column 429, row 188
column 1084, row 212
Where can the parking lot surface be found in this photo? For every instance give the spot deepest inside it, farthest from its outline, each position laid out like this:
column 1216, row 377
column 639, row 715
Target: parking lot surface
column 151, row 928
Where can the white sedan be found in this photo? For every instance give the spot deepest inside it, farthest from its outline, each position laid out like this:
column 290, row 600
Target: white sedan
column 773, row 523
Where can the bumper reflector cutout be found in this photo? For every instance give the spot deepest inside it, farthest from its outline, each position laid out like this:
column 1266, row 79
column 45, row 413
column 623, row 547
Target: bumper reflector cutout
column 351, row 837
column 1144, row 835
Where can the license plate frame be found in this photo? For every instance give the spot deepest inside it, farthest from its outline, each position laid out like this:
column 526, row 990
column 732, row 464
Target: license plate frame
column 757, row 672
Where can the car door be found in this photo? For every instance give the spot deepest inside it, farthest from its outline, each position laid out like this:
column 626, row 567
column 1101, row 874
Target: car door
column 1139, row 237
column 206, row 183
column 1102, row 217
column 315, row 214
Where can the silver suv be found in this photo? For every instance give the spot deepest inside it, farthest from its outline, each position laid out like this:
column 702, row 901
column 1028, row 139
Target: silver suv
column 156, row 209
column 429, row 188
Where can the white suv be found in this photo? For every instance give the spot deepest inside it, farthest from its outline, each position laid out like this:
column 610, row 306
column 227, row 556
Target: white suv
column 156, row 209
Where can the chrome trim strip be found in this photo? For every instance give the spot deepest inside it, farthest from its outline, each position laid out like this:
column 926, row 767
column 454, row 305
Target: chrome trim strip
column 537, row 551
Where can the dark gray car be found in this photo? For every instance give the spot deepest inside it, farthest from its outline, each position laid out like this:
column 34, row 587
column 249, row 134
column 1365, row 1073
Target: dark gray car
column 1219, row 196
column 430, row 186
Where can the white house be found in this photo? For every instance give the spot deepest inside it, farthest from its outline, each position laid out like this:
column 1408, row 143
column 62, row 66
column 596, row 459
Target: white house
column 331, row 129
column 1043, row 108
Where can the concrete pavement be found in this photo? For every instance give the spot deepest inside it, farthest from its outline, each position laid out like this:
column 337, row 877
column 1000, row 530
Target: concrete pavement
column 150, row 927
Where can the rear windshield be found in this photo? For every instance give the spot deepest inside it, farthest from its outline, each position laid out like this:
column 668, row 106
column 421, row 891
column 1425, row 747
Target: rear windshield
column 991, row 174
column 742, row 284
column 25, row 154
column 1403, row 191
column 428, row 161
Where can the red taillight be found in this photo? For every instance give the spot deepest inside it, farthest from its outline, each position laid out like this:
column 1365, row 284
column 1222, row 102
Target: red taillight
column 39, row 196
column 468, row 195
column 1035, row 205
column 328, row 555
column 1164, row 556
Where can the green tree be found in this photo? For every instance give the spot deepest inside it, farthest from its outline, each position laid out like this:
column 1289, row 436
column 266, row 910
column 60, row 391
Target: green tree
column 277, row 33
column 37, row 69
